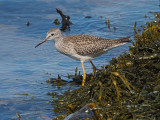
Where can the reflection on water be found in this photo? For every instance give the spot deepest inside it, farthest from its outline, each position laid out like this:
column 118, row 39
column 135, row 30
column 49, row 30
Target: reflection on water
column 23, row 68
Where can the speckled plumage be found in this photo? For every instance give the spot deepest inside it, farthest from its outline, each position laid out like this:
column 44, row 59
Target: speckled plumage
column 91, row 45
column 82, row 47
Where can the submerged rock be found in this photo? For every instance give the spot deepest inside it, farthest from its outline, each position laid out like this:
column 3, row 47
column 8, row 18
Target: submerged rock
column 84, row 113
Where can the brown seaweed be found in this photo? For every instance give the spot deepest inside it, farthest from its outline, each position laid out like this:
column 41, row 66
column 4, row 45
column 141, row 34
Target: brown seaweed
column 128, row 88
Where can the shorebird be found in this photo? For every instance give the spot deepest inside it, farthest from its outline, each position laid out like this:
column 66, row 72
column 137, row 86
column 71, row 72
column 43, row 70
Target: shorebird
column 82, row 47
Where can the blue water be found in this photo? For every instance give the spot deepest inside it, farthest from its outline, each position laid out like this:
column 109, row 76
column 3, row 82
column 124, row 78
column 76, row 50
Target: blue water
column 23, row 87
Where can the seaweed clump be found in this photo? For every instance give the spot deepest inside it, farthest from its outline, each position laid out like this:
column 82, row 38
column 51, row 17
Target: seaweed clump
column 128, row 88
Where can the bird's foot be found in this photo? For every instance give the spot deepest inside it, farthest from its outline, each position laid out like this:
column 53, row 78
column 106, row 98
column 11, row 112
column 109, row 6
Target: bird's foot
column 84, row 79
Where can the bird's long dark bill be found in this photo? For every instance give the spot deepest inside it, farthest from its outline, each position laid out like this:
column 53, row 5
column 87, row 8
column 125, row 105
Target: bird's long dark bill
column 41, row 43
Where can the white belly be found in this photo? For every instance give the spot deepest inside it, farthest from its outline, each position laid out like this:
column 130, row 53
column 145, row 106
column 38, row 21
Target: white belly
column 80, row 57
column 68, row 50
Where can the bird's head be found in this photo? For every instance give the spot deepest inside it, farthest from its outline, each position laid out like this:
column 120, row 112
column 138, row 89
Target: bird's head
column 52, row 34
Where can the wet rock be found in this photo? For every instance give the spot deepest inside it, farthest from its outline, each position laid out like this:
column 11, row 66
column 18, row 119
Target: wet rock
column 83, row 114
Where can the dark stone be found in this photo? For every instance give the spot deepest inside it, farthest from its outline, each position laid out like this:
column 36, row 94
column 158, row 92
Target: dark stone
column 82, row 114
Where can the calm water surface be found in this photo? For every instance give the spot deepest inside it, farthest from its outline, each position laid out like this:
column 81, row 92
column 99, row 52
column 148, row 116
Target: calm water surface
column 23, row 87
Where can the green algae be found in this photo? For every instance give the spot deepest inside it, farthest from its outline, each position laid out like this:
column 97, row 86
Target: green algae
column 135, row 25
column 108, row 22
column 25, row 94
column 128, row 88
column 114, row 28
column 28, row 23
column 56, row 22
column 56, row 82
column 145, row 16
column 19, row 116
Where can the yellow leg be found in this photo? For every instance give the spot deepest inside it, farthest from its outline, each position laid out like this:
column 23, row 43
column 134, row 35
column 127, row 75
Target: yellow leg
column 94, row 68
column 84, row 74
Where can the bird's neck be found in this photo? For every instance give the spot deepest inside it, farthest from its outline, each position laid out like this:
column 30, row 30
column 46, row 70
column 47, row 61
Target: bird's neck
column 59, row 38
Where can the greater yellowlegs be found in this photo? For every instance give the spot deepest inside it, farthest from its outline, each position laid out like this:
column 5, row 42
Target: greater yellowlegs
column 82, row 47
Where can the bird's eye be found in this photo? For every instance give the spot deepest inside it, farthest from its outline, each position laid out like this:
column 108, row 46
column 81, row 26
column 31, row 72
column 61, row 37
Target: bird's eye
column 52, row 34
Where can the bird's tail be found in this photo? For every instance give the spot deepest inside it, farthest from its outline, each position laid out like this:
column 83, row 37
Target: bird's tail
column 122, row 40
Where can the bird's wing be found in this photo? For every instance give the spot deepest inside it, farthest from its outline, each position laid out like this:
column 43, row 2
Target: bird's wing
column 89, row 45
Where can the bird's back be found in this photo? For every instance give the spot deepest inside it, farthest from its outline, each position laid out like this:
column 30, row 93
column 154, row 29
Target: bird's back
column 92, row 45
